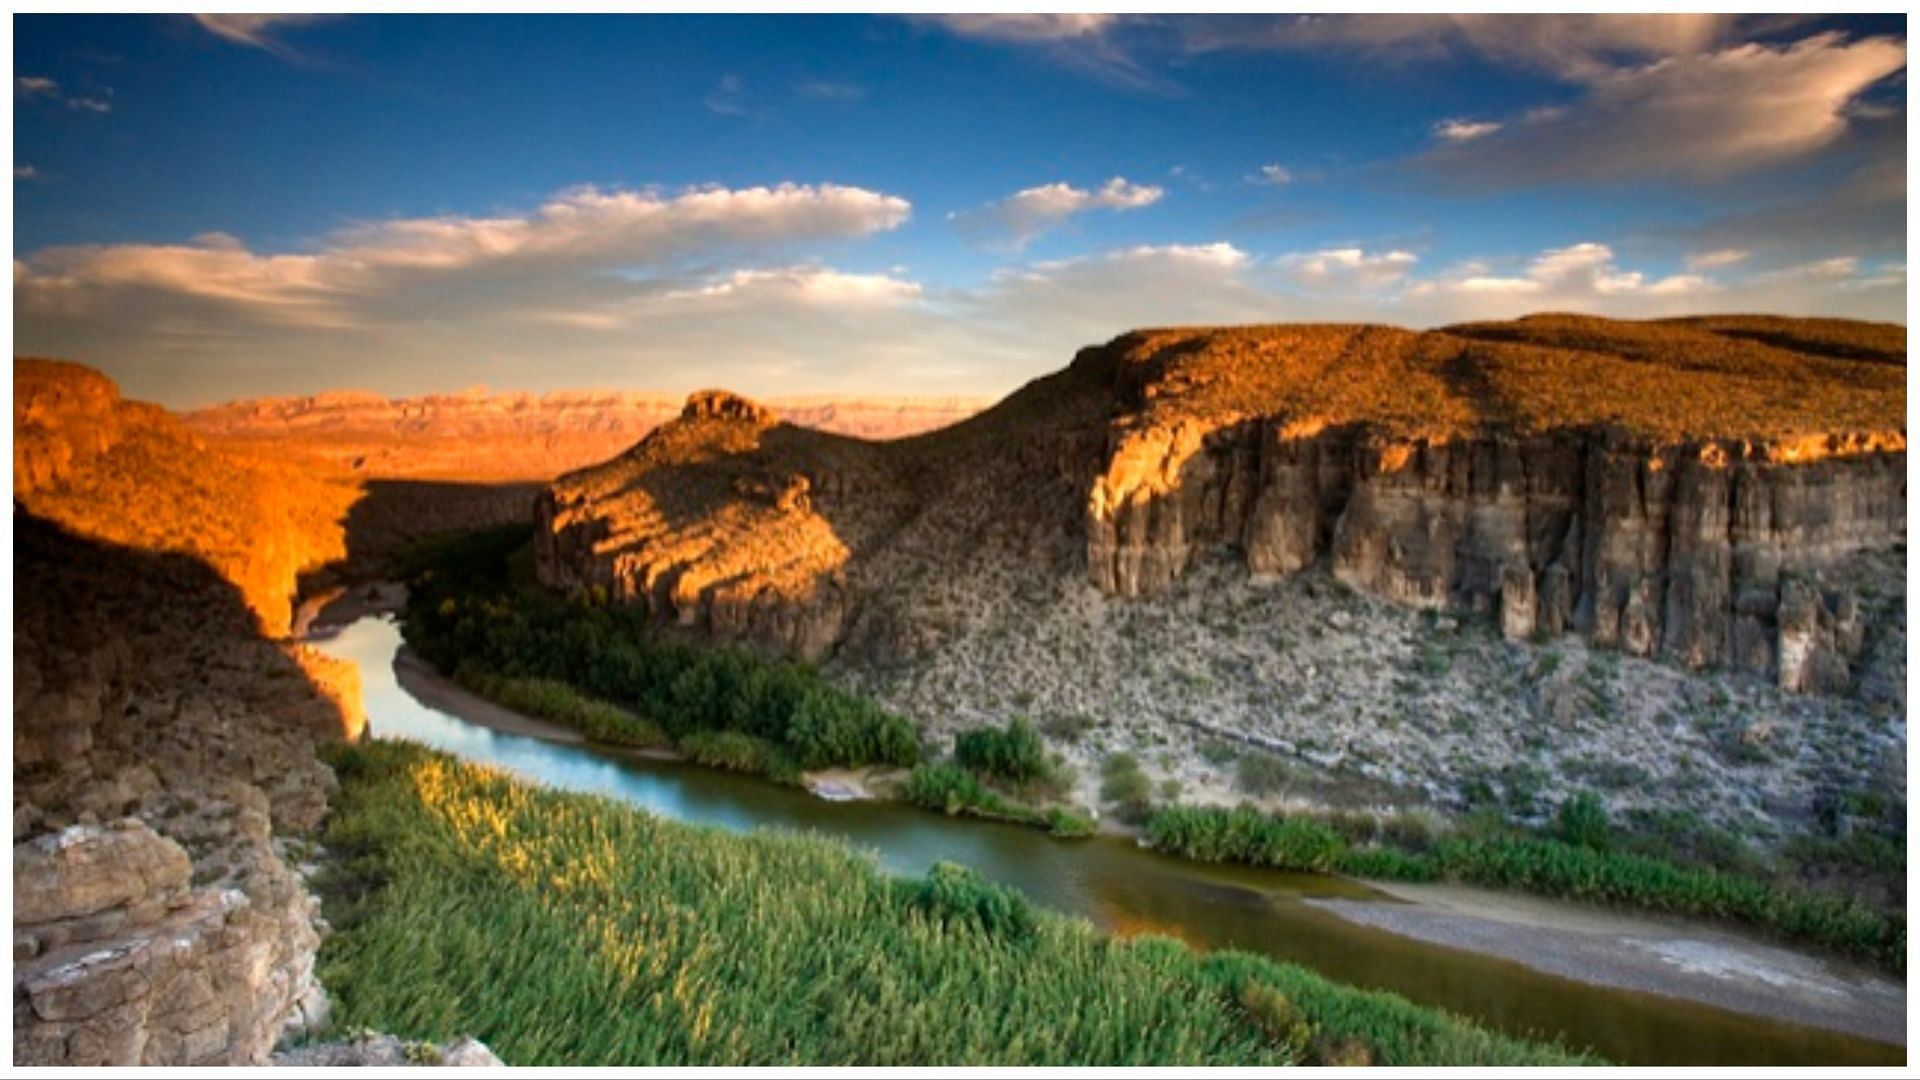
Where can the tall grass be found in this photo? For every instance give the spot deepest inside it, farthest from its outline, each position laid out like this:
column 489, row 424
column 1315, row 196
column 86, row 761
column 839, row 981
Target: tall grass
column 1541, row 864
column 570, row 929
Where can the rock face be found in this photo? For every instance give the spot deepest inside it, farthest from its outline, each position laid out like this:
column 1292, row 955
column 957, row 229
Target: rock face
column 386, row 1051
column 1685, row 551
column 163, row 744
column 1658, row 487
column 129, row 472
column 1550, row 515
column 162, row 751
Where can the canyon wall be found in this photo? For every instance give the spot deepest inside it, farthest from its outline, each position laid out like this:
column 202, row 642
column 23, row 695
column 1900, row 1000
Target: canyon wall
column 1696, row 552
column 164, row 744
column 1671, row 488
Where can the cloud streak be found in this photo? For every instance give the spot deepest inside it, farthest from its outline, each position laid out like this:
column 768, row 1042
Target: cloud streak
column 1016, row 220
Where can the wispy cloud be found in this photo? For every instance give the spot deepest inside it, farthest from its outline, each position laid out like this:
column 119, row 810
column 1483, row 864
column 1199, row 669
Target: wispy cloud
column 25, row 172
column 1701, row 115
column 1017, row 219
column 1272, row 176
column 41, row 88
column 259, row 31
column 1462, row 130
column 728, row 97
column 1087, row 43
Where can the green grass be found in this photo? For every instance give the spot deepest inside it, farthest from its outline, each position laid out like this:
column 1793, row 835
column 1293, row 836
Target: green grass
column 954, row 790
column 1576, row 866
column 567, row 929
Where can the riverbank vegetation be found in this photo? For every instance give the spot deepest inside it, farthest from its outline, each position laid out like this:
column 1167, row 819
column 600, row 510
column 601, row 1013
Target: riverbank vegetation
column 564, row 928
column 1575, row 860
column 474, row 610
column 1001, row 774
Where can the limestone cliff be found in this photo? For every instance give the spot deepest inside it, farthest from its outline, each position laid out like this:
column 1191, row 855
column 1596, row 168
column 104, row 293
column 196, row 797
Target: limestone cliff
column 1664, row 487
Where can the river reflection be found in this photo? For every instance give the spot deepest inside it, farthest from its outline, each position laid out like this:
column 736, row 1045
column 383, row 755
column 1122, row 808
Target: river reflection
column 1125, row 889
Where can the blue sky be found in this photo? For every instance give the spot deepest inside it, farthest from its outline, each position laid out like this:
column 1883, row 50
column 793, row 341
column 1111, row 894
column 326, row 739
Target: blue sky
column 246, row 205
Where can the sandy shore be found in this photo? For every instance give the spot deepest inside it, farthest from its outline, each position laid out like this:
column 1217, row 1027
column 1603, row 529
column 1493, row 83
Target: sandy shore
column 436, row 691
column 1671, row 957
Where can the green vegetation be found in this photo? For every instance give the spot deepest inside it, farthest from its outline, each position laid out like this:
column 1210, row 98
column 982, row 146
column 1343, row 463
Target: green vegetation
column 606, row 671
column 1577, row 861
column 1013, row 753
column 568, row 929
column 954, row 790
column 1125, row 784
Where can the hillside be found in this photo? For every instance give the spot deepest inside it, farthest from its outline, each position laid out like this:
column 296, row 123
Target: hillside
column 478, row 435
column 1496, row 561
column 130, row 473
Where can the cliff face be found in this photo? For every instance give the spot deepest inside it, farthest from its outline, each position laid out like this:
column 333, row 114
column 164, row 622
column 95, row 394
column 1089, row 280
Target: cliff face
column 1689, row 552
column 163, row 743
column 1663, row 488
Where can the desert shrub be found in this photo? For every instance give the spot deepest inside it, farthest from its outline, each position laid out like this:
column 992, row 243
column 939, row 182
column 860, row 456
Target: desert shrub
column 1261, row 774
column 1582, row 821
column 1124, row 784
column 1013, row 753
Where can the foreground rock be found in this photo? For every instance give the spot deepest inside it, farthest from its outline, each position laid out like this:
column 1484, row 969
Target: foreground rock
column 386, row 1051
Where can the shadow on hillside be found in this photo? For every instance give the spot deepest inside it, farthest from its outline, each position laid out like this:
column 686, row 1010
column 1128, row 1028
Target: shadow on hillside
column 391, row 516
column 111, row 642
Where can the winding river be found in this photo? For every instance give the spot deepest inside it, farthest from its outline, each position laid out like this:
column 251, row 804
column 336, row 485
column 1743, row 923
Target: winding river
column 1126, row 889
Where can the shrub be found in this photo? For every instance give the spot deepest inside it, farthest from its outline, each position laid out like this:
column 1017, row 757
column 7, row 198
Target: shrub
column 1583, row 822
column 1261, row 774
column 1013, row 753
column 1124, row 784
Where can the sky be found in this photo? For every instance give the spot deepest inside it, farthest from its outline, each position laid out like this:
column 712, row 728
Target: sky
column 213, row 207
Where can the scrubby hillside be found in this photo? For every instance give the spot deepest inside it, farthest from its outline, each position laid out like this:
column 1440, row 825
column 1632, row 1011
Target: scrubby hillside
column 1488, row 565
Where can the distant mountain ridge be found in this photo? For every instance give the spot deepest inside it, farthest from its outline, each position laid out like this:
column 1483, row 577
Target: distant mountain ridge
column 488, row 435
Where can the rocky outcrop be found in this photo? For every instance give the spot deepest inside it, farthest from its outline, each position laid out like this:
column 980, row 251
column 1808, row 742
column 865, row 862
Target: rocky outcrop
column 386, row 1052
column 1658, row 487
column 164, row 752
column 118, row 961
column 163, row 743
column 1686, row 551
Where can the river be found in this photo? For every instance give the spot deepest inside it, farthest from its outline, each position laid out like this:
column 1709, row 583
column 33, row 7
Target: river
column 1123, row 888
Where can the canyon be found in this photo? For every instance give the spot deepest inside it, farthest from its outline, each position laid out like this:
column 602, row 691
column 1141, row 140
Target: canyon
column 1660, row 558
column 1663, row 489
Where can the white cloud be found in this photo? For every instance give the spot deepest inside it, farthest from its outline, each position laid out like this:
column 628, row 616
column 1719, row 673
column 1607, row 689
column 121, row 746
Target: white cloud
column 582, row 246
column 1574, row 46
column 261, row 31
column 1698, row 114
column 1025, row 28
column 828, row 90
column 1020, row 217
column 1461, row 130
column 1272, row 176
column 25, row 172
column 1347, row 267
column 41, row 88
column 1715, row 260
